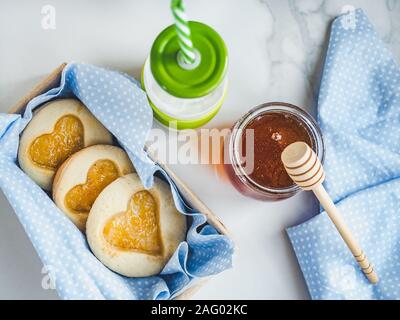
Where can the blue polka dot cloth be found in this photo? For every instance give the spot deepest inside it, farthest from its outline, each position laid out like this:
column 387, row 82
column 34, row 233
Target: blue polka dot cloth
column 359, row 114
column 119, row 103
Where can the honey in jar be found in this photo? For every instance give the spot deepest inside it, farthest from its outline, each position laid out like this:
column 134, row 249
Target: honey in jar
column 257, row 142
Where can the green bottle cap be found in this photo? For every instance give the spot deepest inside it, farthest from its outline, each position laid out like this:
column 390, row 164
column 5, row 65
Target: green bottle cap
column 196, row 80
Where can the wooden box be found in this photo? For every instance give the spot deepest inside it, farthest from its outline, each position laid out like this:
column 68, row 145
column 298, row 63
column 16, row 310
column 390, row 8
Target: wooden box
column 51, row 81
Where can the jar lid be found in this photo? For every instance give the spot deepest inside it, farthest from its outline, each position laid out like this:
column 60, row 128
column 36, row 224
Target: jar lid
column 194, row 82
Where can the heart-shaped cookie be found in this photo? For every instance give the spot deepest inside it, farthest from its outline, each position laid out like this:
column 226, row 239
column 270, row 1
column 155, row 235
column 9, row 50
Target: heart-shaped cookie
column 138, row 227
column 50, row 150
column 58, row 129
column 134, row 231
column 81, row 197
column 84, row 175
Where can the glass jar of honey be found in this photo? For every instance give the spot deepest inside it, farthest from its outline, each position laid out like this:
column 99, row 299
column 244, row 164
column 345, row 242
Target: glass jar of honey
column 256, row 144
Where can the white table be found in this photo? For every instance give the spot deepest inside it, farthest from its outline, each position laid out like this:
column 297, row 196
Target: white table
column 276, row 49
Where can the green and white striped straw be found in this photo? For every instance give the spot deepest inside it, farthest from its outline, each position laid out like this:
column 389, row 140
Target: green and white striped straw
column 183, row 31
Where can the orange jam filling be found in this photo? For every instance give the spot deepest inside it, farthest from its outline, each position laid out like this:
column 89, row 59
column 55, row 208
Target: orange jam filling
column 50, row 150
column 81, row 197
column 137, row 228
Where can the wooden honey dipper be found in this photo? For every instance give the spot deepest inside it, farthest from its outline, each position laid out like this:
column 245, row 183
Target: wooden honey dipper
column 305, row 169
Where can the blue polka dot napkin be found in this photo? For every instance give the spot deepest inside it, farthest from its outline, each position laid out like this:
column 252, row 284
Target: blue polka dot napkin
column 359, row 114
column 119, row 103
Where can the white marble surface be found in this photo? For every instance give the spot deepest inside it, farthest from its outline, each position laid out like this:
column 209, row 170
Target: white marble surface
column 276, row 48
